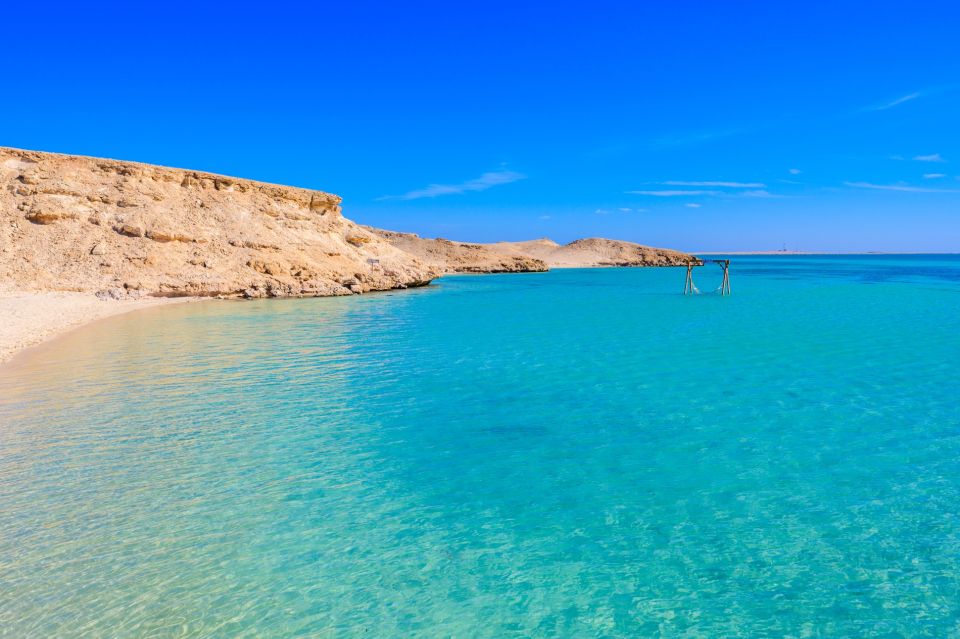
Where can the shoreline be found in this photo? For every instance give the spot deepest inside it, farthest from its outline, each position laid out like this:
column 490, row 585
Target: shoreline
column 31, row 318
column 793, row 253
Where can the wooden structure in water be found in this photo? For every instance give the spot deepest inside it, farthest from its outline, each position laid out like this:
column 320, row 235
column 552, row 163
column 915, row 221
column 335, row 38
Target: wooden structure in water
column 689, row 288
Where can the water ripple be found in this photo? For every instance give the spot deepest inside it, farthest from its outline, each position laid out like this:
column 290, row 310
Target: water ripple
column 577, row 453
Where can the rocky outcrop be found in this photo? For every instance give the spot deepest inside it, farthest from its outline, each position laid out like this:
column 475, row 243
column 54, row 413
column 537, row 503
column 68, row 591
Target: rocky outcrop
column 532, row 255
column 460, row 257
column 123, row 229
column 593, row 251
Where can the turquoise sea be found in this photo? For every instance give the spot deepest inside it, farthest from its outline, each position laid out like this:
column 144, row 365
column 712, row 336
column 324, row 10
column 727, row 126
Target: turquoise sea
column 580, row 453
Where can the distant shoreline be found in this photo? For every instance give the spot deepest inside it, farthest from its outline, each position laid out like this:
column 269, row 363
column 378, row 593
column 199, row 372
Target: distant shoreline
column 789, row 253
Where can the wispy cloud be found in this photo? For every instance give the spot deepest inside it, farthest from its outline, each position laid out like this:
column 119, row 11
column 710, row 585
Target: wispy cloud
column 892, row 103
column 933, row 176
column 899, row 187
column 933, row 157
column 759, row 193
column 732, row 185
column 486, row 181
column 751, row 190
column 693, row 205
column 544, row 217
column 670, row 193
column 602, row 212
column 795, row 171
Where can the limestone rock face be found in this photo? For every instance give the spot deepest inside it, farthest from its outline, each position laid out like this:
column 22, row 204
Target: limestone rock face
column 461, row 257
column 594, row 251
column 73, row 223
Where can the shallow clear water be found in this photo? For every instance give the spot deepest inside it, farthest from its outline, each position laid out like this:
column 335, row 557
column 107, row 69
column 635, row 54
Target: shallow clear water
column 576, row 453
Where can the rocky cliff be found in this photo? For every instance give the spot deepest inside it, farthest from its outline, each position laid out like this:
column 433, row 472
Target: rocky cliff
column 461, row 257
column 123, row 229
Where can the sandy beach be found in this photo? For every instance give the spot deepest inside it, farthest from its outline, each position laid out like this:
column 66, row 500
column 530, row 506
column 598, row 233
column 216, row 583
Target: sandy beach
column 29, row 318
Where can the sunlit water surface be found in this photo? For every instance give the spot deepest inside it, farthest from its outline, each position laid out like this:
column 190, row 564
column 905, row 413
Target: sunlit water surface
column 581, row 453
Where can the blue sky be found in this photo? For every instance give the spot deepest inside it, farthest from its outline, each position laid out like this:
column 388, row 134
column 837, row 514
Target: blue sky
column 700, row 126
